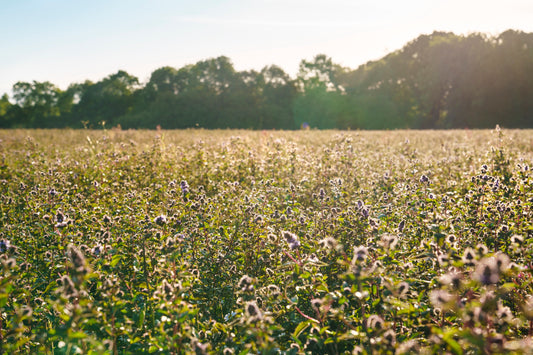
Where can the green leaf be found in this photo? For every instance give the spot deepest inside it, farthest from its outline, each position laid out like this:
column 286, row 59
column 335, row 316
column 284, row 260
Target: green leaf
column 301, row 327
column 116, row 258
column 141, row 319
column 3, row 299
column 456, row 348
column 76, row 335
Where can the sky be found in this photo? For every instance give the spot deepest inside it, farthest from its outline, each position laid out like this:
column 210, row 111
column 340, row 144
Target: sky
column 65, row 41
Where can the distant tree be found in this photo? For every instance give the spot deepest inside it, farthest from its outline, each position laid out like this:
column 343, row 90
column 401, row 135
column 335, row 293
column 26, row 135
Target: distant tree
column 39, row 103
column 322, row 102
column 5, row 105
column 278, row 92
column 106, row 100
column 439, row 80
column 6, row 108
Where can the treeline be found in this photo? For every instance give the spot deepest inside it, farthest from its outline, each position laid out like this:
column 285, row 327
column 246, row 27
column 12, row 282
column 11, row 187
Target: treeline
column 435, row 81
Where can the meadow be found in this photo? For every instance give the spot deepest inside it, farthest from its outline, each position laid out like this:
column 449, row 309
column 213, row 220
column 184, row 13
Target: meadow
column 274, row 242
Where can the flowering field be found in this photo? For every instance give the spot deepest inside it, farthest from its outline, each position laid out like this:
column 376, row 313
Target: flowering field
column 266, row 242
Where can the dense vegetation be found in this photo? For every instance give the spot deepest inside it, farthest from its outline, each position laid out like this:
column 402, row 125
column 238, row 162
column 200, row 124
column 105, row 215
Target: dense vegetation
column 436, row 81
column 266, row 242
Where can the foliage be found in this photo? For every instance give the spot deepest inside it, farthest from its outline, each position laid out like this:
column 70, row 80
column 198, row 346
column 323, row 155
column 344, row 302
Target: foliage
column 266, row 242
column 440, row 80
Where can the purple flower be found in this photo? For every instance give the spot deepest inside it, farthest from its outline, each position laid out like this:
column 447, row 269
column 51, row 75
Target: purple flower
column 160, row 220
column 184, row 186
column 4, row 245
column 292, row 239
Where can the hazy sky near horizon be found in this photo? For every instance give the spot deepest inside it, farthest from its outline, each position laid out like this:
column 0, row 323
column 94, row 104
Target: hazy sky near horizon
column 65, row 41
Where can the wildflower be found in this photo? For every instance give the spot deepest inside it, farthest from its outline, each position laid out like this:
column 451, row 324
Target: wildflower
column 164, row 291
column 184, row 187
column 487, row 271
column 61, row 225
column 106, row 237
column 294, row 348
column 360, row 253
column 488, row 300
column 375, row 322
column 496, row 342
column 408, row 347
column 443, row 258
column 452, row 279
column 424, row 178
column 8, row 263
column 288, row 211
column 504, row 228
column 4, row 245
column 517, row 239
column 272, row 238
column 312, row 259
column 67, row 286
column 328, row 242
column 502, row 262
column 97, row 250
column 26, row 311
column 160, row 220
column 479, row 315
column 451, row 238
column 199, row 348
column 61, row 220
column 482, row 249
column 527, row 307
column 273, row 290
column 292, row 239
column 77, row 258
column 469, row 258
column 401, row 226
column 253, row 312
column 245, row 283
column 440, row 298
column 390, row 337
column 389, row 241
column 374, row 223
column 403, row 288
column 166, row 287
column 504, row 314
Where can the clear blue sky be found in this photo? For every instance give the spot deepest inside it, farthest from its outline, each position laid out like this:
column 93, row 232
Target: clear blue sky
column 66, row 41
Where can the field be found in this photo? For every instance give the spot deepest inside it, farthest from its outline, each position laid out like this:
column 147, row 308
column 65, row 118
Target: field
column 334, row 242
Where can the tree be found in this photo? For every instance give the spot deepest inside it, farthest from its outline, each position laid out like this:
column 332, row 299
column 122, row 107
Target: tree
column 6, row 108
column 39, row 103
column 106, row 100
column 322, row 102
column 278, row 92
